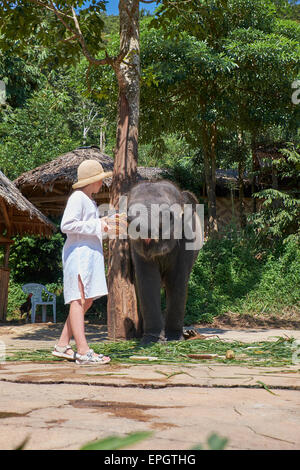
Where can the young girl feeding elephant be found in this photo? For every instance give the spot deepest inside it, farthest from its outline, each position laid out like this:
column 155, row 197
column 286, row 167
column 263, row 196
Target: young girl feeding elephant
column 83, row 261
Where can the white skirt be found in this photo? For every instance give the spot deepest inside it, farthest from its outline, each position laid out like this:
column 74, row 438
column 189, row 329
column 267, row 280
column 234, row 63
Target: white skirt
column 88, row 262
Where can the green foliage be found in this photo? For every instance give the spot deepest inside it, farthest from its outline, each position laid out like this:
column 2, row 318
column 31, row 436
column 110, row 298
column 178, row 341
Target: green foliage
column 34, row 259
column 232, row 63
column 280, row 212
column 16, row 298
column 38, row 260
column 214, row 442
column 276, row 222
column 29, row 23
column 21, row 77
column 117, row 442
column 36, row 133
column 236, row 274
column 259, row 354
column 262, row 353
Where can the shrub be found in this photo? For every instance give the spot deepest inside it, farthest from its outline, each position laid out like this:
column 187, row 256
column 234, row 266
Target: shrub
column 236, row 274
column 34, row 259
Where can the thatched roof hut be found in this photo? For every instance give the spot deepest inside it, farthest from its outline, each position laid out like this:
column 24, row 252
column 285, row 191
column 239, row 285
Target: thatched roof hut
column 227, row 180
column 18, row 216
column 268, row 152
column 267, row 174
column 49, row 185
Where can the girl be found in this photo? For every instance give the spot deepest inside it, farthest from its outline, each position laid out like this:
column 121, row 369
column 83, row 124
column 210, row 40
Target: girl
column 83, row 261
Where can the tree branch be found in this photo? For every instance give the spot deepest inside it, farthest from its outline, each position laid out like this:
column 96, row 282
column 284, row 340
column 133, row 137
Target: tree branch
column 48, row 8
column 113, row 61
column 71, row 38
column 77, row 34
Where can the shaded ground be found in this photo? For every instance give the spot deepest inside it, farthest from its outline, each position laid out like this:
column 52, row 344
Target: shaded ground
column 60, row 405
column 236, row 321
column 42, row 335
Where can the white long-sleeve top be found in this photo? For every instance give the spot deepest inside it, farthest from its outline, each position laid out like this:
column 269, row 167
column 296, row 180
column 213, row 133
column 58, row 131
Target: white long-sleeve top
column 82, row 252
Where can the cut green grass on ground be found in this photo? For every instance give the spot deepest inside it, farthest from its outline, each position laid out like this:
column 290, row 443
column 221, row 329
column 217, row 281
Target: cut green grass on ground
column 277, row 353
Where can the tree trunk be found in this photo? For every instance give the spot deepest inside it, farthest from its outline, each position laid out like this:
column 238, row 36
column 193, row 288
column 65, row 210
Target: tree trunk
column 102, row 137
column 275, row 202
column 122, row 315
column 241, row 171
column 255, row 167
column 209, row 146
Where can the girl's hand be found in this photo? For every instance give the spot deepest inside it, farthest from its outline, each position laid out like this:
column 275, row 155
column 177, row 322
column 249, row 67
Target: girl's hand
column 115, row 224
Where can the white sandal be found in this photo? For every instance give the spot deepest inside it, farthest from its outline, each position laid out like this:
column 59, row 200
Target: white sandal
column 61, row 351
column 91, row 358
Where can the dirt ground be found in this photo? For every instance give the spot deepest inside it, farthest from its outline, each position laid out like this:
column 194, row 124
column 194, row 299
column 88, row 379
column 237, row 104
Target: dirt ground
column 288, row 321
column 63, row 406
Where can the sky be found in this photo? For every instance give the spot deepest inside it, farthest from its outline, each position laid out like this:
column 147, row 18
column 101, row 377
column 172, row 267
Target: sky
column 112, row 7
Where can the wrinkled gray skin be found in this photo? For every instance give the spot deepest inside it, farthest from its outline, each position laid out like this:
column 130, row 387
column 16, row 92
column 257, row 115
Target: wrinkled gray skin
column 160, row 263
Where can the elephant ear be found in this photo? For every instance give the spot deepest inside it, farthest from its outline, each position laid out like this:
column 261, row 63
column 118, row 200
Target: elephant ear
column 189, row 198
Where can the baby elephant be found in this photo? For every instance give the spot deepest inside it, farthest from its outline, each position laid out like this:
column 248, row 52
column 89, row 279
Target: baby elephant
column 165, row 236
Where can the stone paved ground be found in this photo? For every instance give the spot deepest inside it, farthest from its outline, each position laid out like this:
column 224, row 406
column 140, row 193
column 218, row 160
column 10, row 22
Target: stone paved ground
column 63, row 406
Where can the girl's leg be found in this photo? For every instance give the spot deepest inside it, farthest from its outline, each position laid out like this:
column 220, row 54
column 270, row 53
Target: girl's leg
column 77, row 321
column 67, row 333
column 74, row 325
column 76, row 317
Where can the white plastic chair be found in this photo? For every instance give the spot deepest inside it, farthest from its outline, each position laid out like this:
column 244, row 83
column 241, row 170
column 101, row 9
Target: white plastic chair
column 36, row 299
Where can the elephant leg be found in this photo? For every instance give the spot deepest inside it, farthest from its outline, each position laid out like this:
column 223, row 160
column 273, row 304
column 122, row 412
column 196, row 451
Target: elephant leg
column 175, row 300
column 176, row 285
column 147, row 282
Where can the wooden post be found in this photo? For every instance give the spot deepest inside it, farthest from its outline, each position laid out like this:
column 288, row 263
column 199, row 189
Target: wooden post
column 6, row 255
column 4, row 280
column 4, row 270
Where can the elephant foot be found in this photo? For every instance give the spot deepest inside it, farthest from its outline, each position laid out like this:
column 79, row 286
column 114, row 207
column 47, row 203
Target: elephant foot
column 174, row 336
column 149, row 339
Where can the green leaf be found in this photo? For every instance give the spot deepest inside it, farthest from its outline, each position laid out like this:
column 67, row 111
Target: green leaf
column 265, row 387
column 117, row 442
column 216, row 442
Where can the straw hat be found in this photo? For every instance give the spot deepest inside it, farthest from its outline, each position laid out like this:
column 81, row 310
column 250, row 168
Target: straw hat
column 88, row 172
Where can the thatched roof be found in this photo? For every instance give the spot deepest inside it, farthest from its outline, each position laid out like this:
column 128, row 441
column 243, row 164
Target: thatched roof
column 225, row 178
column 49, row 185
column 270, row 151
column 64, row 169
column 151, row 173
column 20, row 214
